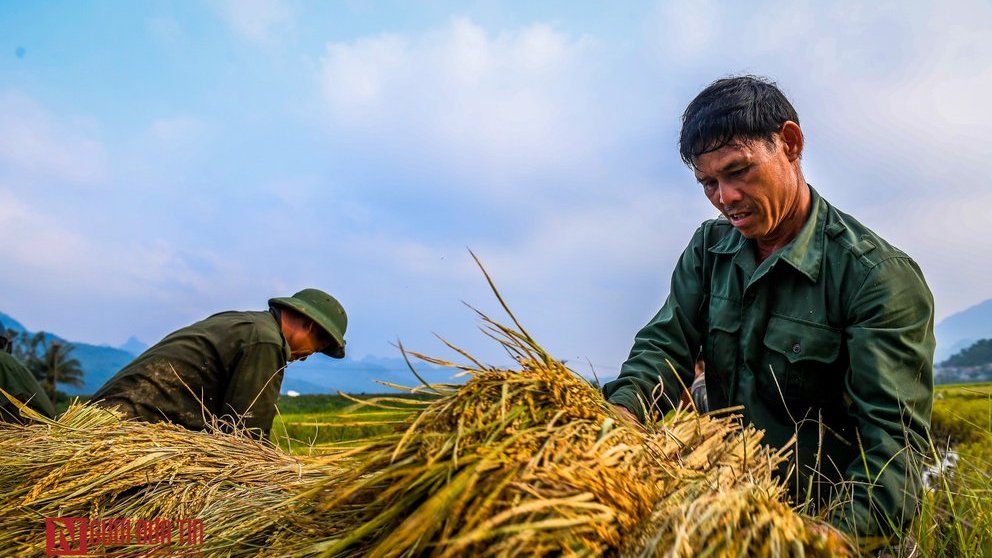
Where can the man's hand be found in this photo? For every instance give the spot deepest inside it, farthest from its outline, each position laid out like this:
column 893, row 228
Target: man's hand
column 627, row 416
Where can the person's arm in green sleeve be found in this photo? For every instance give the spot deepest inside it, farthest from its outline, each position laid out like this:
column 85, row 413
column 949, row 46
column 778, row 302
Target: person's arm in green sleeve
column 254, row 387
column 890, row 384
column 36, row 398
column 672, row 336
column 17, row 380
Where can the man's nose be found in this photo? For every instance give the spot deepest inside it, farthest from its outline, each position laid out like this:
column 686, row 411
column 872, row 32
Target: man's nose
column 728, row 194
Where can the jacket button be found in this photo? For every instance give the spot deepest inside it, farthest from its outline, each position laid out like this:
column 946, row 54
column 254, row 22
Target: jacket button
column 797, row 348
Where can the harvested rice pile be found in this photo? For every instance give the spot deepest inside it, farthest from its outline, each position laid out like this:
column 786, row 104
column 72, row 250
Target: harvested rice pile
column 534, row 462
column 89, row 463
column 530, row 462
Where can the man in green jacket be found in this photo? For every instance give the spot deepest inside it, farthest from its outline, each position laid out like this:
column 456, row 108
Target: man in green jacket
column 228, row 367
column 18, row 381
column 810, row 322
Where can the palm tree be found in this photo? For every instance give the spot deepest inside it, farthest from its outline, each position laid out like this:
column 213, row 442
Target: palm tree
column 55, row 365
column 23, row 346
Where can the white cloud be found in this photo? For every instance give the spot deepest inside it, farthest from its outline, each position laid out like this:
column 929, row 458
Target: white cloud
column 42, row 244
column 82, row 282
column 575, row 278
column 34, row 141
column 259, row 21
column 498, row 108
column 49, row 253
column 605, row 240
column 684, row 29
column 945, row 235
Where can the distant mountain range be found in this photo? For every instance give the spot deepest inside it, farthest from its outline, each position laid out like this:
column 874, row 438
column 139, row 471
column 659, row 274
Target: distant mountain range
column 317, row 374
column 99, row 362
column 960, row 331
column 323, row 375
column 133, row 346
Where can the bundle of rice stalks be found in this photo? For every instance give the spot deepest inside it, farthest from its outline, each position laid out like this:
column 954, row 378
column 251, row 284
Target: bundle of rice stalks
column 747, row 518
column 534, row 462
column 90, row 464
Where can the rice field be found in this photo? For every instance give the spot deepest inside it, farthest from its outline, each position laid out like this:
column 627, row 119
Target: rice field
column 529, row 461
column 310, row 424
column 962, row 413
column 956, row 519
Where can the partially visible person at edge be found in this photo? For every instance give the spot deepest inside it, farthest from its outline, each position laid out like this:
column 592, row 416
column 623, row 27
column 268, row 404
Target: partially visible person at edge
column 229, row 366
column 806, row 318
column 18, row 381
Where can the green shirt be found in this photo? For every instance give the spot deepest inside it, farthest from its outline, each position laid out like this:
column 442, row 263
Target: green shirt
column 829, row 339
column 233, row 362
column 18, row 381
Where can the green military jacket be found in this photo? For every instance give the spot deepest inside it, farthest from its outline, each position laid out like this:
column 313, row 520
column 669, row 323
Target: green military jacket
column 232, row 362
column 830, row 339
column 18, row 381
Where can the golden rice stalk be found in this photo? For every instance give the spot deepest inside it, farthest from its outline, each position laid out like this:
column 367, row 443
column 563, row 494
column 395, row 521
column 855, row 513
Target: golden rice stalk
column 745, row 519
column 89, row 463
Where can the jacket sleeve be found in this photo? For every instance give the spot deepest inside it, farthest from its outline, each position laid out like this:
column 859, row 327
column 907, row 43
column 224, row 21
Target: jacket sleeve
column 661, row 363
column 253, row 389
column 17, row 380
column 890, row 386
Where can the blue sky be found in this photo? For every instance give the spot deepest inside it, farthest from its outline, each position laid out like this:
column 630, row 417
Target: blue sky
column 161, row 161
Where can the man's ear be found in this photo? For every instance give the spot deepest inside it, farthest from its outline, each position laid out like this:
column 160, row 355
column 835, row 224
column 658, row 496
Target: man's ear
column 792, row 139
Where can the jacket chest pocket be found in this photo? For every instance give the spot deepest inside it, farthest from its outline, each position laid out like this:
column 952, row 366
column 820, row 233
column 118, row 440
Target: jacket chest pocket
column 801, row 363
column 721, row 347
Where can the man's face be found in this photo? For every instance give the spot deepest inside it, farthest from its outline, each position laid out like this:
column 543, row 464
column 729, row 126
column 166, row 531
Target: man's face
column 755, row 186
column 305, row 337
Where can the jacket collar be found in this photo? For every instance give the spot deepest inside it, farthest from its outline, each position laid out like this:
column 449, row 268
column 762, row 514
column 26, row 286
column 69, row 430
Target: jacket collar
column 804, row 252
column 729, row 244
column 286, row 349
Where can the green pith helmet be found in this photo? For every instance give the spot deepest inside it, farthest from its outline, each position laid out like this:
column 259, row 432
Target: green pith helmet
column 324, row 310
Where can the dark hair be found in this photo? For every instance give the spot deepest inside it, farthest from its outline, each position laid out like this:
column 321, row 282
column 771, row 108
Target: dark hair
column 740, row 108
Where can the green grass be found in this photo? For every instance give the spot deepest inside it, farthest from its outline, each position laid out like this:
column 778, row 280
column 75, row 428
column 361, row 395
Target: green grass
column 310, row 422
column 962, row 413
column 956, row 516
